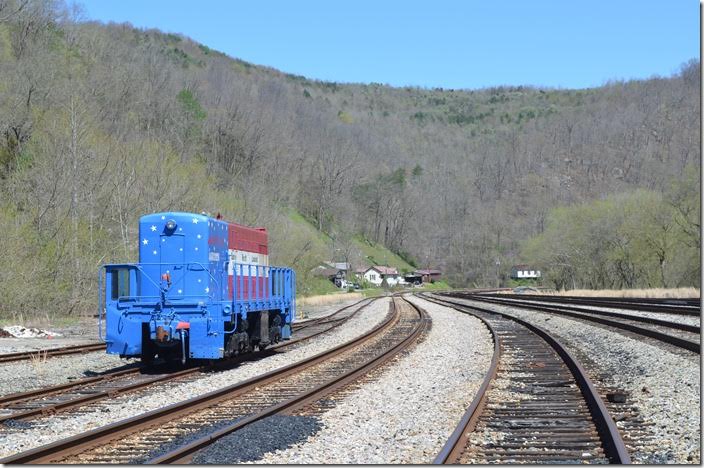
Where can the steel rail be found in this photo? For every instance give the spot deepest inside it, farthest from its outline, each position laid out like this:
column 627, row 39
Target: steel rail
column 459, row 439
column 184, row 454
column 61, row 449
column 111, row 392
column 51, row 352
column 657, row 335
column 646, row 305
column 634, row 318
column 613, row 444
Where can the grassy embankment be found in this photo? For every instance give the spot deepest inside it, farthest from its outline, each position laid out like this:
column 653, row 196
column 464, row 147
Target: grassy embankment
column 322, row 247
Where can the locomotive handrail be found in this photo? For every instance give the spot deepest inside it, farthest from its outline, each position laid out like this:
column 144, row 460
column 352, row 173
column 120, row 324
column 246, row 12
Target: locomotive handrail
column 138, row 267
column 276, row 274
column 101, row 307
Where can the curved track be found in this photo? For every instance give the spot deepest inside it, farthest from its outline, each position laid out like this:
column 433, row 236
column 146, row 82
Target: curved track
column 51, row 400
column 682, row 306
column 51, row 352
column 536, row 404
column 673, row 333
column 169, row 433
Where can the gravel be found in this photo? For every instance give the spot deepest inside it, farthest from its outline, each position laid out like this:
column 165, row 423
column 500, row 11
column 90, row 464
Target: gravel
column 310, row 311
column 21, row 345
column 46, row 430
column 405, row 415
column 684, row 319
column 664, row 386
column 80, row 332
column 37, row 373
column 278, row 432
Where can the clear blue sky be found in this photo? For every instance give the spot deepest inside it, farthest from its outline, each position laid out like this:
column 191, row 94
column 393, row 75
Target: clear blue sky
column 449, row 44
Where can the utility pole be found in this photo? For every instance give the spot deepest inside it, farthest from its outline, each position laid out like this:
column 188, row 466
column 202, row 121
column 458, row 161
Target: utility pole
column 498, row 264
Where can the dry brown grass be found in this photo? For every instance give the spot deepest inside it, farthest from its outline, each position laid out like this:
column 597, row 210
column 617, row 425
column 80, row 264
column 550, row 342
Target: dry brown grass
column 327, row 299
column 38, row 360
column 648, row 293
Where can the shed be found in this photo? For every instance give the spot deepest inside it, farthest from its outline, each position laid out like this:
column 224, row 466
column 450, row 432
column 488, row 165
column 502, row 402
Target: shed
column 429, row 276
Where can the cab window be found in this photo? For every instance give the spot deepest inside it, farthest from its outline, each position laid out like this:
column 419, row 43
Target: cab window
column 120, row 283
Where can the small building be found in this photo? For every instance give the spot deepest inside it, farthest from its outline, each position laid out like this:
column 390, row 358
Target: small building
column 377, row 274
column 335, row 272
column 413, row 278
column 428, row 276
column 524, row 272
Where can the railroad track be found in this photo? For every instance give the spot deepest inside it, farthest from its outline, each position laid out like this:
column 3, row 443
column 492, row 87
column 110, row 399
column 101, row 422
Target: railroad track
column 51, row 352
column 175, row 433
column 675, row 306
column 536, row 404
column 680, row 335
column 51, row 400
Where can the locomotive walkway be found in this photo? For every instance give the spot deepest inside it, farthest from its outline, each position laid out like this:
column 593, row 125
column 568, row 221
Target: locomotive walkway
column 214, row 415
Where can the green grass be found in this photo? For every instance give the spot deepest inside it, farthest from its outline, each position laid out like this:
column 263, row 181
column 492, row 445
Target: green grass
column 436, row 286
column 372, row 253
column 377, row 254
column 317, row 287
column 372, row 292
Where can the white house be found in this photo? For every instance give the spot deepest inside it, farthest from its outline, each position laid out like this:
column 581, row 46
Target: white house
column 524, row 272
column 377, row 274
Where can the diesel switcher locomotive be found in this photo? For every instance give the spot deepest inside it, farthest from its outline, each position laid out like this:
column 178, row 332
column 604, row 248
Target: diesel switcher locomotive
column 203, row 289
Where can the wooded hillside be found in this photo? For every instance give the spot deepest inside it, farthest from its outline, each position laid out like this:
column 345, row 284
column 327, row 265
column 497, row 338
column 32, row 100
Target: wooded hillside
column 100, row 124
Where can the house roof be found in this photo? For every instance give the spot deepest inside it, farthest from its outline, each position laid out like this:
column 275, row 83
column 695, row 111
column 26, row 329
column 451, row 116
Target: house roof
column 326, row 272
column 384, row 270
column 337, row 265
column 428, row 272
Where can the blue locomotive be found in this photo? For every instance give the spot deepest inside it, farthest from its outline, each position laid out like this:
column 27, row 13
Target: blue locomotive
column 203, row 289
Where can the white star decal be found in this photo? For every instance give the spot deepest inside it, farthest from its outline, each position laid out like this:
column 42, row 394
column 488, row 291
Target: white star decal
column 163, row 239
column 198, row 236
column 196, row 249
column 154, row 252
column 207, row 290
column 181, row 249
column 145, row 242
column 163, row 217
column 180, row 229
column 199, row 280
column 153, row 228
column 180, row 291
column 195, row 220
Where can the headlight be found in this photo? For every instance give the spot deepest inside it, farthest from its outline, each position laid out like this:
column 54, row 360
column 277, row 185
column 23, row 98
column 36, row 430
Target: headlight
column 171, row 225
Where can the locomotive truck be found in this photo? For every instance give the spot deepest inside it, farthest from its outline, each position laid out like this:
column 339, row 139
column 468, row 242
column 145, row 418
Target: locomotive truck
column 202, row 289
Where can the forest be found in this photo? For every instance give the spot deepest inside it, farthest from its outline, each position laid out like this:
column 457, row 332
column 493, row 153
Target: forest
column 101, row 123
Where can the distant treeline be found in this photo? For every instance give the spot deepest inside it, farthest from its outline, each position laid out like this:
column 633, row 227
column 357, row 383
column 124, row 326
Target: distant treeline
column 102, row 123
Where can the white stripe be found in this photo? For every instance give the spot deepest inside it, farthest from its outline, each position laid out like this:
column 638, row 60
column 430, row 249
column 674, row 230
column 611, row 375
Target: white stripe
column 243, row 257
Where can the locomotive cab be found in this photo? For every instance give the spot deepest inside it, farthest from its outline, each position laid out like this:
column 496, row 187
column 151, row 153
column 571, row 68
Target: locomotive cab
column 202, row 289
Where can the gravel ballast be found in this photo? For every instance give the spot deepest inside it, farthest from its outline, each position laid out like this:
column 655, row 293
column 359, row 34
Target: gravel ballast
column 22, row 376
column 682, row 319
column 405, row 415
column 664, row 386
column 45, row 430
